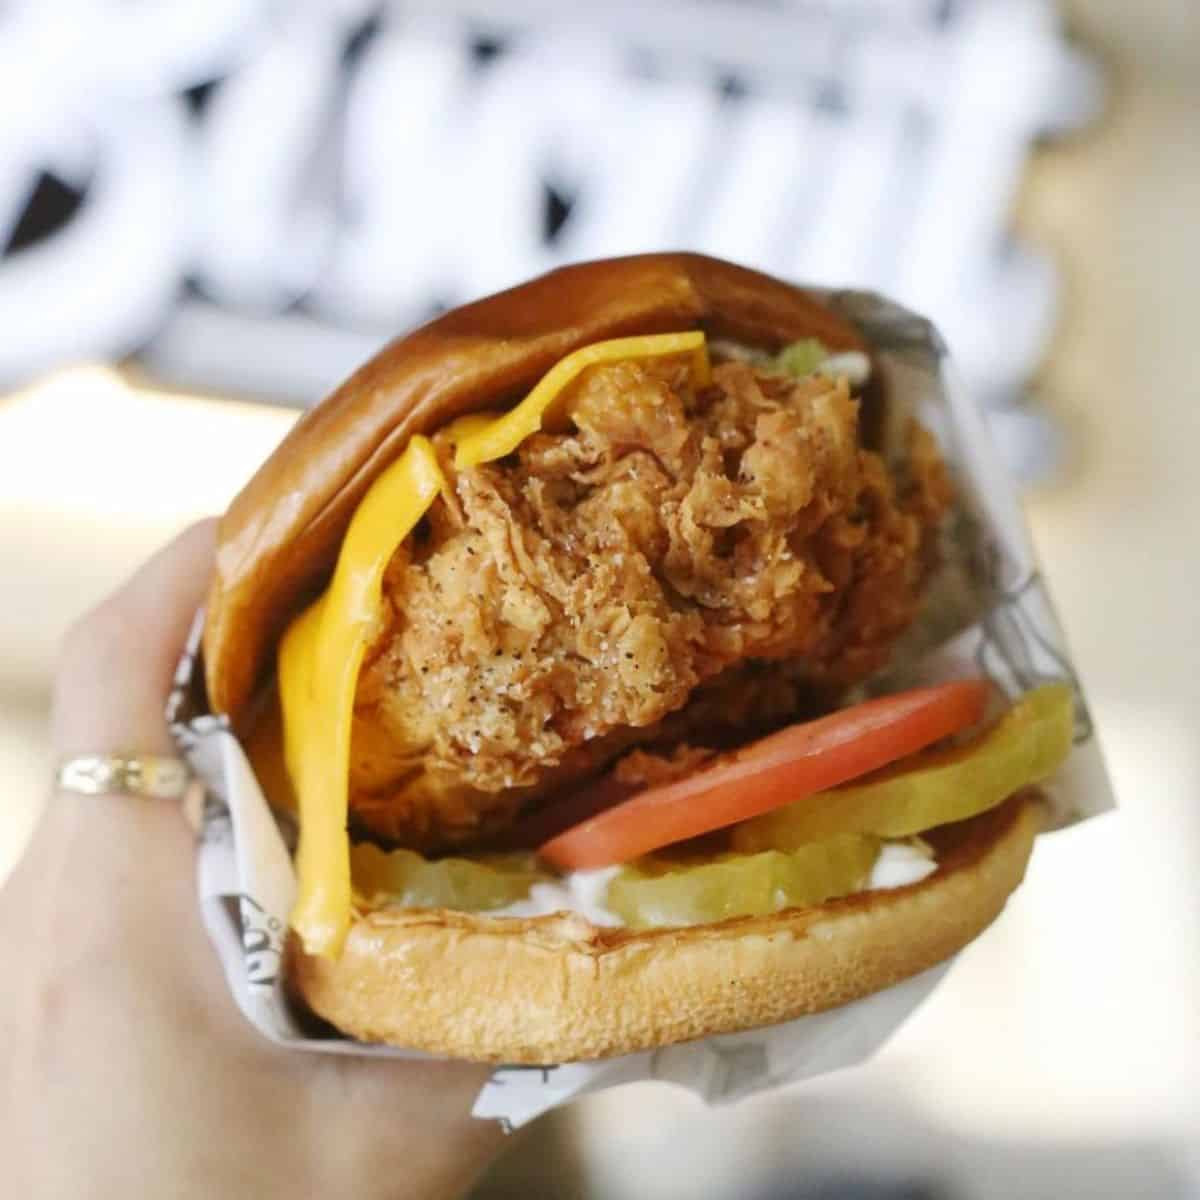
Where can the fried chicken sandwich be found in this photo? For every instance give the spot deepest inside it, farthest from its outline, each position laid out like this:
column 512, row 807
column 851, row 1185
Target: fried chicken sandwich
column 550, row 627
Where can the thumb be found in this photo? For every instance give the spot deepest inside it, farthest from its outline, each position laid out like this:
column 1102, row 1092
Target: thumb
column 116, row 664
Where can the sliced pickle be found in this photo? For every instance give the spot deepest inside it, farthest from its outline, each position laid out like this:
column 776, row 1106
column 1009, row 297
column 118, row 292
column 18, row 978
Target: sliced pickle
column 658, row 892
column 1025, row 746
column 407, row 880
column 801, row 358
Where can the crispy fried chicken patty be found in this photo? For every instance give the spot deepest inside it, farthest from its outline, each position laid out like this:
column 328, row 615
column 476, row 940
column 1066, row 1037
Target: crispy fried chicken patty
column 667, row 558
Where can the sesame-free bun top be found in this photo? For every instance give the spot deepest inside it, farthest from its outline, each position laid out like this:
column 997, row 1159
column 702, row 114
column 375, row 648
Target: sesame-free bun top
column 280, row 538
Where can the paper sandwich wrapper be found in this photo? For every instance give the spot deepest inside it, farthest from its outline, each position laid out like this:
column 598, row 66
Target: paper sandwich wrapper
column 988, row 613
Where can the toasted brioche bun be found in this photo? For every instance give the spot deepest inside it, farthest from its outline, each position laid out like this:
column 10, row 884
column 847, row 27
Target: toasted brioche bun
column 280, row 537
column 557, row 989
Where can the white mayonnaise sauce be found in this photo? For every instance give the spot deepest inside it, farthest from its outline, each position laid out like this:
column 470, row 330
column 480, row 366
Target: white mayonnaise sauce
column 899, row 864
column 853, row 364
column 579, row 892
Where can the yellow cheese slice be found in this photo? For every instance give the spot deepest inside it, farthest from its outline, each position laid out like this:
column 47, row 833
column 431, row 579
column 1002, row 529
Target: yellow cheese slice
column 319, row 661
column 464, row 428
column 478, row 443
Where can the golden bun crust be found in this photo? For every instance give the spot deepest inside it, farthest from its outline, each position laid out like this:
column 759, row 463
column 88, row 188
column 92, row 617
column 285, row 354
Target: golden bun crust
column 557, row 989
column 279, row 538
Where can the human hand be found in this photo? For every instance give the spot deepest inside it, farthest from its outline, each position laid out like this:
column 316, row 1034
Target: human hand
column 126, row 1067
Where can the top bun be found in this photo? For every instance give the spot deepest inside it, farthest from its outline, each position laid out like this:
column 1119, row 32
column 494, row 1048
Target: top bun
column 280, row 538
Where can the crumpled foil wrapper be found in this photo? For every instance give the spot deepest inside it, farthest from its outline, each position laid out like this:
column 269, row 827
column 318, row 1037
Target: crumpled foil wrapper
column 987, row 613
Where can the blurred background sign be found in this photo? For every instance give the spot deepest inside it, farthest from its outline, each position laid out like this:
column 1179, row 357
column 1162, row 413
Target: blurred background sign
column 252, row 196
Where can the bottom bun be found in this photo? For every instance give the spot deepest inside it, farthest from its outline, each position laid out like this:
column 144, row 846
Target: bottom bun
column 557, row 989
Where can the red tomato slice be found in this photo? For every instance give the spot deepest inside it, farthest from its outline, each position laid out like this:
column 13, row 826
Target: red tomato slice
column 770, row 773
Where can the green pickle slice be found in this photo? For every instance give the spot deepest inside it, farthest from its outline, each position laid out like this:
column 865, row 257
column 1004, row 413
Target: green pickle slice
column 1028, row 743
column 801, row 358
column 405, row 879
column 658, row 892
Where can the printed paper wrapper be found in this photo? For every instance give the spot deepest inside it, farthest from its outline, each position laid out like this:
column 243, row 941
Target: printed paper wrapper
column 987, row 613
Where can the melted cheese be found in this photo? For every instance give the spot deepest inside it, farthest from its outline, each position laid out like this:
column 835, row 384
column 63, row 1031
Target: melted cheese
column 319, row 661
column 480, row 443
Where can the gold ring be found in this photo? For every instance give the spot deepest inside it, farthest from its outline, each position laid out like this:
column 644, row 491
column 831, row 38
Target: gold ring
column 152, row 775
